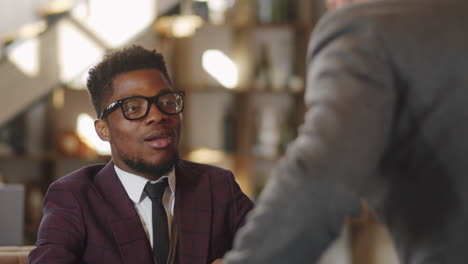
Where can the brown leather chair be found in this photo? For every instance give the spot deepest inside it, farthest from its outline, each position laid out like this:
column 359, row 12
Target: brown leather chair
column 15, row 255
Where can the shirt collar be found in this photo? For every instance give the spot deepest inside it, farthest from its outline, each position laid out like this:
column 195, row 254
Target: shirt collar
column 134, row 184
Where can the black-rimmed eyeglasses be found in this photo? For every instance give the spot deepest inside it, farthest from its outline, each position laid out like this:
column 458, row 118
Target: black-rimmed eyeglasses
column 138, row 107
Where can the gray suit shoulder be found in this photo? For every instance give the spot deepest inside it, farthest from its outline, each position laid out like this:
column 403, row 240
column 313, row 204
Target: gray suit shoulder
column 387, row 12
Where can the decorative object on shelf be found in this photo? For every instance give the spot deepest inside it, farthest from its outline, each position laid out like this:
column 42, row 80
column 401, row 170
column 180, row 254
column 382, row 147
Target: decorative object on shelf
column 273, row 52
column 217, row 10
column 275, row 11
column 5, row 146
column 264, row 11
column 272, row 121
column 262, row 76
column 280, row 11
column 229, row 129
column 35, row 126
column 241, row 12
column 183, row 25
column 18, row 134
column 268, row 134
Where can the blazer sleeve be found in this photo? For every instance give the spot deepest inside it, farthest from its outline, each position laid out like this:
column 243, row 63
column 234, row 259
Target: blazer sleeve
column 61, row 232
column 241, row 205
column 350, row 101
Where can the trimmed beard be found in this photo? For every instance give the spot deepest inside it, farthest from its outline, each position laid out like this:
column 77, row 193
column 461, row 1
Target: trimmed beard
column 157, row 170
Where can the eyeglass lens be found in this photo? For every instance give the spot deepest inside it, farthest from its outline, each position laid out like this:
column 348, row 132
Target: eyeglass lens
column 138, row 107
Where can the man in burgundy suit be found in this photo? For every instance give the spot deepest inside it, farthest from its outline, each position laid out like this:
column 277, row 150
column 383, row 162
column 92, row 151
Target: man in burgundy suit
column 106, row 213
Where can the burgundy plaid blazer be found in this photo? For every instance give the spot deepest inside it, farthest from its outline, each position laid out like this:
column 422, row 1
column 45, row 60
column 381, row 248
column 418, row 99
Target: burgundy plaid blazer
column 89, row 218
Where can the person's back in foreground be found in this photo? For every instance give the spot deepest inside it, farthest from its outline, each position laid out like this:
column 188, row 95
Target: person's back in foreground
column 387, row 123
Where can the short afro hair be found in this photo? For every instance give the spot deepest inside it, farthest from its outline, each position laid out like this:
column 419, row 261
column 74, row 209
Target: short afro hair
column 132, row 58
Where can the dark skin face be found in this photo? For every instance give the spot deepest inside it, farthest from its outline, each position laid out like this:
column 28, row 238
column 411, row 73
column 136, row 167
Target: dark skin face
column 144, row 146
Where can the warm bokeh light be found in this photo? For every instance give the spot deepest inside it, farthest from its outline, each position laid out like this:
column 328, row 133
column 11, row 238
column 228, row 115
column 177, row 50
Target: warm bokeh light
column 76, row 51
column 184, row 26
column 32, row 30
column 52, row 7
column 87, row 133
column 25, row 56
column 217, row 9
column 220, row 67
column 205, row 155
column 178, row 26
column 115, row 21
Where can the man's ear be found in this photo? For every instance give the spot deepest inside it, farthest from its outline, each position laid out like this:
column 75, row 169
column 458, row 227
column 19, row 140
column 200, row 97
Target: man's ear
column 102, row 129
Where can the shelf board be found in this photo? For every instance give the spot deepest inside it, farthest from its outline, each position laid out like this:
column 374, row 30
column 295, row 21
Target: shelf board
column 255, row 25
column 50, row 157
column 26, row 157
column 267, row 159
column 239, row 90
column 84, row 158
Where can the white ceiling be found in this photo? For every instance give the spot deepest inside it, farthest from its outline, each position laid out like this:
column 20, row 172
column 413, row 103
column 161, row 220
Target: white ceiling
column 15, row 13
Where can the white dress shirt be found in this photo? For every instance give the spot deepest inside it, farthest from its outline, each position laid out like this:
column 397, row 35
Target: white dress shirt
column 134, row 186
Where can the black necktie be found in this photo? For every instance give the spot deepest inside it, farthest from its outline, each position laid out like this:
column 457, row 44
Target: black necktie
column 160, row 230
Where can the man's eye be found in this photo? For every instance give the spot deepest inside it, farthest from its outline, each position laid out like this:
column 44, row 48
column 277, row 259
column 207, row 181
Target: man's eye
column 132, row 108
column 168, row 104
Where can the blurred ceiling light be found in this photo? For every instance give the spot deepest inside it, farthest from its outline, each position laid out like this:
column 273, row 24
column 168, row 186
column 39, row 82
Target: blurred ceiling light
column 220, row 67
column 116, row 21
column 87, row 133
column 178, row 26
column 27, row 31
column 25, row 56
column 33, row 29
column 55, row 7
column 183, row 25
column 76, row 51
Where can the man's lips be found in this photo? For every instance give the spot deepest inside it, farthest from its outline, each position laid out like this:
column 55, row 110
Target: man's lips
column 159, row 140
column 159, row 143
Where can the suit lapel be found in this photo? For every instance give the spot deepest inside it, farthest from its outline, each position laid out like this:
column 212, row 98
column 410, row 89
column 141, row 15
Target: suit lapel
column 193, row 213
column 123, row 218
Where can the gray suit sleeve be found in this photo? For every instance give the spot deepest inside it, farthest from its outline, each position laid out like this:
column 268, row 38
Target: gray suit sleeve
column 350, row 100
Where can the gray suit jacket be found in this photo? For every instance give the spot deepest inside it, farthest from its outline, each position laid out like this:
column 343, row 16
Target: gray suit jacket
column 387, row 121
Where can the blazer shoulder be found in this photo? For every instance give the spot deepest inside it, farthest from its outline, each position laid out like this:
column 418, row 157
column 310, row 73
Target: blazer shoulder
column 78, row 178
column 202, row 168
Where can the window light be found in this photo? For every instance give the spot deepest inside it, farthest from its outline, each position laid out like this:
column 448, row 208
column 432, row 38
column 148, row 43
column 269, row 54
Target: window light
column 25, row 56
column 115, row 21
column 87, row 133
column 76, row 51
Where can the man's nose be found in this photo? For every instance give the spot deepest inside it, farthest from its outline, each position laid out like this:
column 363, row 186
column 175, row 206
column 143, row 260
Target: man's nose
column 155, row 115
